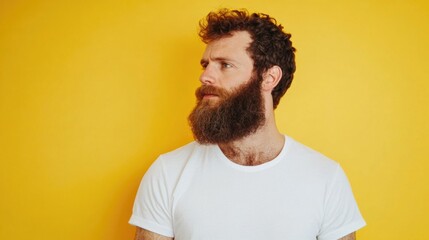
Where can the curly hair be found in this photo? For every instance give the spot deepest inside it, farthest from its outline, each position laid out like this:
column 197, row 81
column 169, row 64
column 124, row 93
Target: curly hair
column 270, row 46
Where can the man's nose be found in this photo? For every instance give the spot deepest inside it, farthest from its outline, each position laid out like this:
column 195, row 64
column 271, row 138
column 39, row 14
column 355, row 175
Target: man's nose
column 208, row 76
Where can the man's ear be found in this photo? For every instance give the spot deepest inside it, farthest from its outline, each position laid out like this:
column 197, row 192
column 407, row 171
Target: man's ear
column 271, row 78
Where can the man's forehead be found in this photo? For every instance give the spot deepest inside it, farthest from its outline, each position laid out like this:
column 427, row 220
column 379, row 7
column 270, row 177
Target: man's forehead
column 228, row 45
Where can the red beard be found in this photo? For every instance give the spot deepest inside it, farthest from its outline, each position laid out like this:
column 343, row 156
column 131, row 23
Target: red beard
column 234, row 115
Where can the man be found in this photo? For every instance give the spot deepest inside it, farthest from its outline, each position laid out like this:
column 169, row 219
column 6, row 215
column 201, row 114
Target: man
column 242, row 178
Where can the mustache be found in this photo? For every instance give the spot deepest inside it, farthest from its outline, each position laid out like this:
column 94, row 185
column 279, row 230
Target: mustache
column 209, row 90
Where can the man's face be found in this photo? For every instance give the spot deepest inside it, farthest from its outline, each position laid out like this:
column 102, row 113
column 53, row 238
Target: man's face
column 226, row 63
column 229, row 102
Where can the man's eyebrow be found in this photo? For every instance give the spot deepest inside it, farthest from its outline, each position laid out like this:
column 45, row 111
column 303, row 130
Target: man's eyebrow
column 217, row 59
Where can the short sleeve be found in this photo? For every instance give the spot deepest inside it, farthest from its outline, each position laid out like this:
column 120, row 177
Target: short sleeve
column 341, row 213
column 152, row 206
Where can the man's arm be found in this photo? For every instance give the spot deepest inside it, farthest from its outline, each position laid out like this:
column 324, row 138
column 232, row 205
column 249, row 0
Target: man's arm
column 143, row 234
column 351, row 236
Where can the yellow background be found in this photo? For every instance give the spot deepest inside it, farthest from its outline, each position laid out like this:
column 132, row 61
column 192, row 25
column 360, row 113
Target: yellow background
column 92, row 91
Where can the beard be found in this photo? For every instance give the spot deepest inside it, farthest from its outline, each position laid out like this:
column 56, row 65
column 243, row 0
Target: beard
column 235, row 115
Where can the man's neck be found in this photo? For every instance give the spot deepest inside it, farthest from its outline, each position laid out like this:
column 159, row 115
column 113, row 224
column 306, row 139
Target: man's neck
column 258, row 148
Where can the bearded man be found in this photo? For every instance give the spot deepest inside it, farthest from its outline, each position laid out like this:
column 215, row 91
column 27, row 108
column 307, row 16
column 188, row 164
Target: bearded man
column 242, row 178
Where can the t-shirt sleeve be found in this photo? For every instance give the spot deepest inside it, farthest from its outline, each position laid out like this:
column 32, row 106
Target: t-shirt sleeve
column 152, row 206
column 341, row 214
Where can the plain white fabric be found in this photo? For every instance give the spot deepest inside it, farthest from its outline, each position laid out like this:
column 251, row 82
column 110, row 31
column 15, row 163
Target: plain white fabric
column 196, row 193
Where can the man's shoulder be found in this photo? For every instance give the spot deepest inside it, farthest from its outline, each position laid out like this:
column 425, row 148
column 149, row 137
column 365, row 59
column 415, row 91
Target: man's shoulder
column 308, row 157
column 179, row 157
column 172, row 166
column 183, row 152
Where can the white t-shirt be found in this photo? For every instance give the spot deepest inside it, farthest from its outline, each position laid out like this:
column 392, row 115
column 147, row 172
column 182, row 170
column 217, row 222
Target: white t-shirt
column 196, row 193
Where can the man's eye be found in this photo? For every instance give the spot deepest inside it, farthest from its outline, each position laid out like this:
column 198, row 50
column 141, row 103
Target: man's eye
column 226, row 65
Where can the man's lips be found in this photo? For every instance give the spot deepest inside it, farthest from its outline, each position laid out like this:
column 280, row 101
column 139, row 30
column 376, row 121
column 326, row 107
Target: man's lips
column 209, row 95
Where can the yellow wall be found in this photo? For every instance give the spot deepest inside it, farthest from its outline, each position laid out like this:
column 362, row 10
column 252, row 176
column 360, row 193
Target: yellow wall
column 92, row 91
